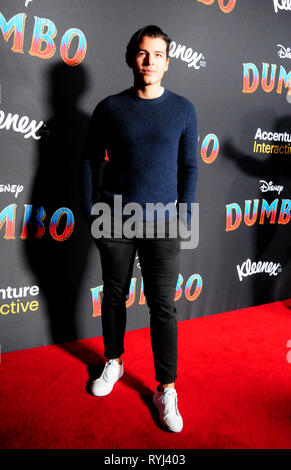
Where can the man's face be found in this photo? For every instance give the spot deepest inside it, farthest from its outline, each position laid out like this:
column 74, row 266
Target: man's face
column 151, row 61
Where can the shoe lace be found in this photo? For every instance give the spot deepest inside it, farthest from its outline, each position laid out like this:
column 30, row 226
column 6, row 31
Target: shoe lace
column 109, row 371
column 169, row 400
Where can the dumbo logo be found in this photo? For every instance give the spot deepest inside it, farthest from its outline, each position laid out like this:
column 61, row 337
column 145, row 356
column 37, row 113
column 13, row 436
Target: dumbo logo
column 43, row 44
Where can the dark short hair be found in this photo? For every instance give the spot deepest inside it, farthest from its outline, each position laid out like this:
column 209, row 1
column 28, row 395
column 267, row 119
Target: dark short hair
column 153, row 32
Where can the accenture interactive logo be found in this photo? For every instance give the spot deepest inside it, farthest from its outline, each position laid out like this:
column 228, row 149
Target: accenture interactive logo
column 17, row 300
column 269, row 142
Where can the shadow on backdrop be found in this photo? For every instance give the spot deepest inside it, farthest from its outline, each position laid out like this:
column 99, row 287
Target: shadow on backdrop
column 59, row 265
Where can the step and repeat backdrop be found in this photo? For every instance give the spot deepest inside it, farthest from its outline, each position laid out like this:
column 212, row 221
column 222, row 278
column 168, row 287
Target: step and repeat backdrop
column 59, row 58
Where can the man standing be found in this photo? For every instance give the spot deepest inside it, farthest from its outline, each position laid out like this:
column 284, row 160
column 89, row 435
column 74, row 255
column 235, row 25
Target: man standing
column 150, row 136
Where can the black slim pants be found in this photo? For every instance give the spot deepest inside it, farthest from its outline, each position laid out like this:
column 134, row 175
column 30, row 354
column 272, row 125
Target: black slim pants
column 159, row 261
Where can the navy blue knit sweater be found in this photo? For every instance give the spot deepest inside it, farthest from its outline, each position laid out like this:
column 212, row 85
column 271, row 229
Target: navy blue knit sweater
column 151, row 145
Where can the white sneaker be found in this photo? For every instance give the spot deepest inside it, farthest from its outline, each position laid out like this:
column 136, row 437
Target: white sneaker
column 111, row 373
column 166, row 403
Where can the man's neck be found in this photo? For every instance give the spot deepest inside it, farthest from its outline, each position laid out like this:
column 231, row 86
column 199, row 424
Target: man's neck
column 148, row 92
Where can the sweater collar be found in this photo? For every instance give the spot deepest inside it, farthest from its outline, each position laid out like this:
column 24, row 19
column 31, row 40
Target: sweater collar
column 159, row 99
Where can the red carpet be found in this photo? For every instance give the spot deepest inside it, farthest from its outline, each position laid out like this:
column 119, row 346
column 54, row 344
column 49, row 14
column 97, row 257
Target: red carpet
column 234, row 389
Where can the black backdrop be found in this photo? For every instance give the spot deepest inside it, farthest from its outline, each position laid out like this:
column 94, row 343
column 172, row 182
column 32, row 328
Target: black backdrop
column 58, row 59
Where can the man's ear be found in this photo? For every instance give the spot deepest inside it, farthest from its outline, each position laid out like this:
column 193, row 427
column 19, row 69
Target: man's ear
column 167, row 63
